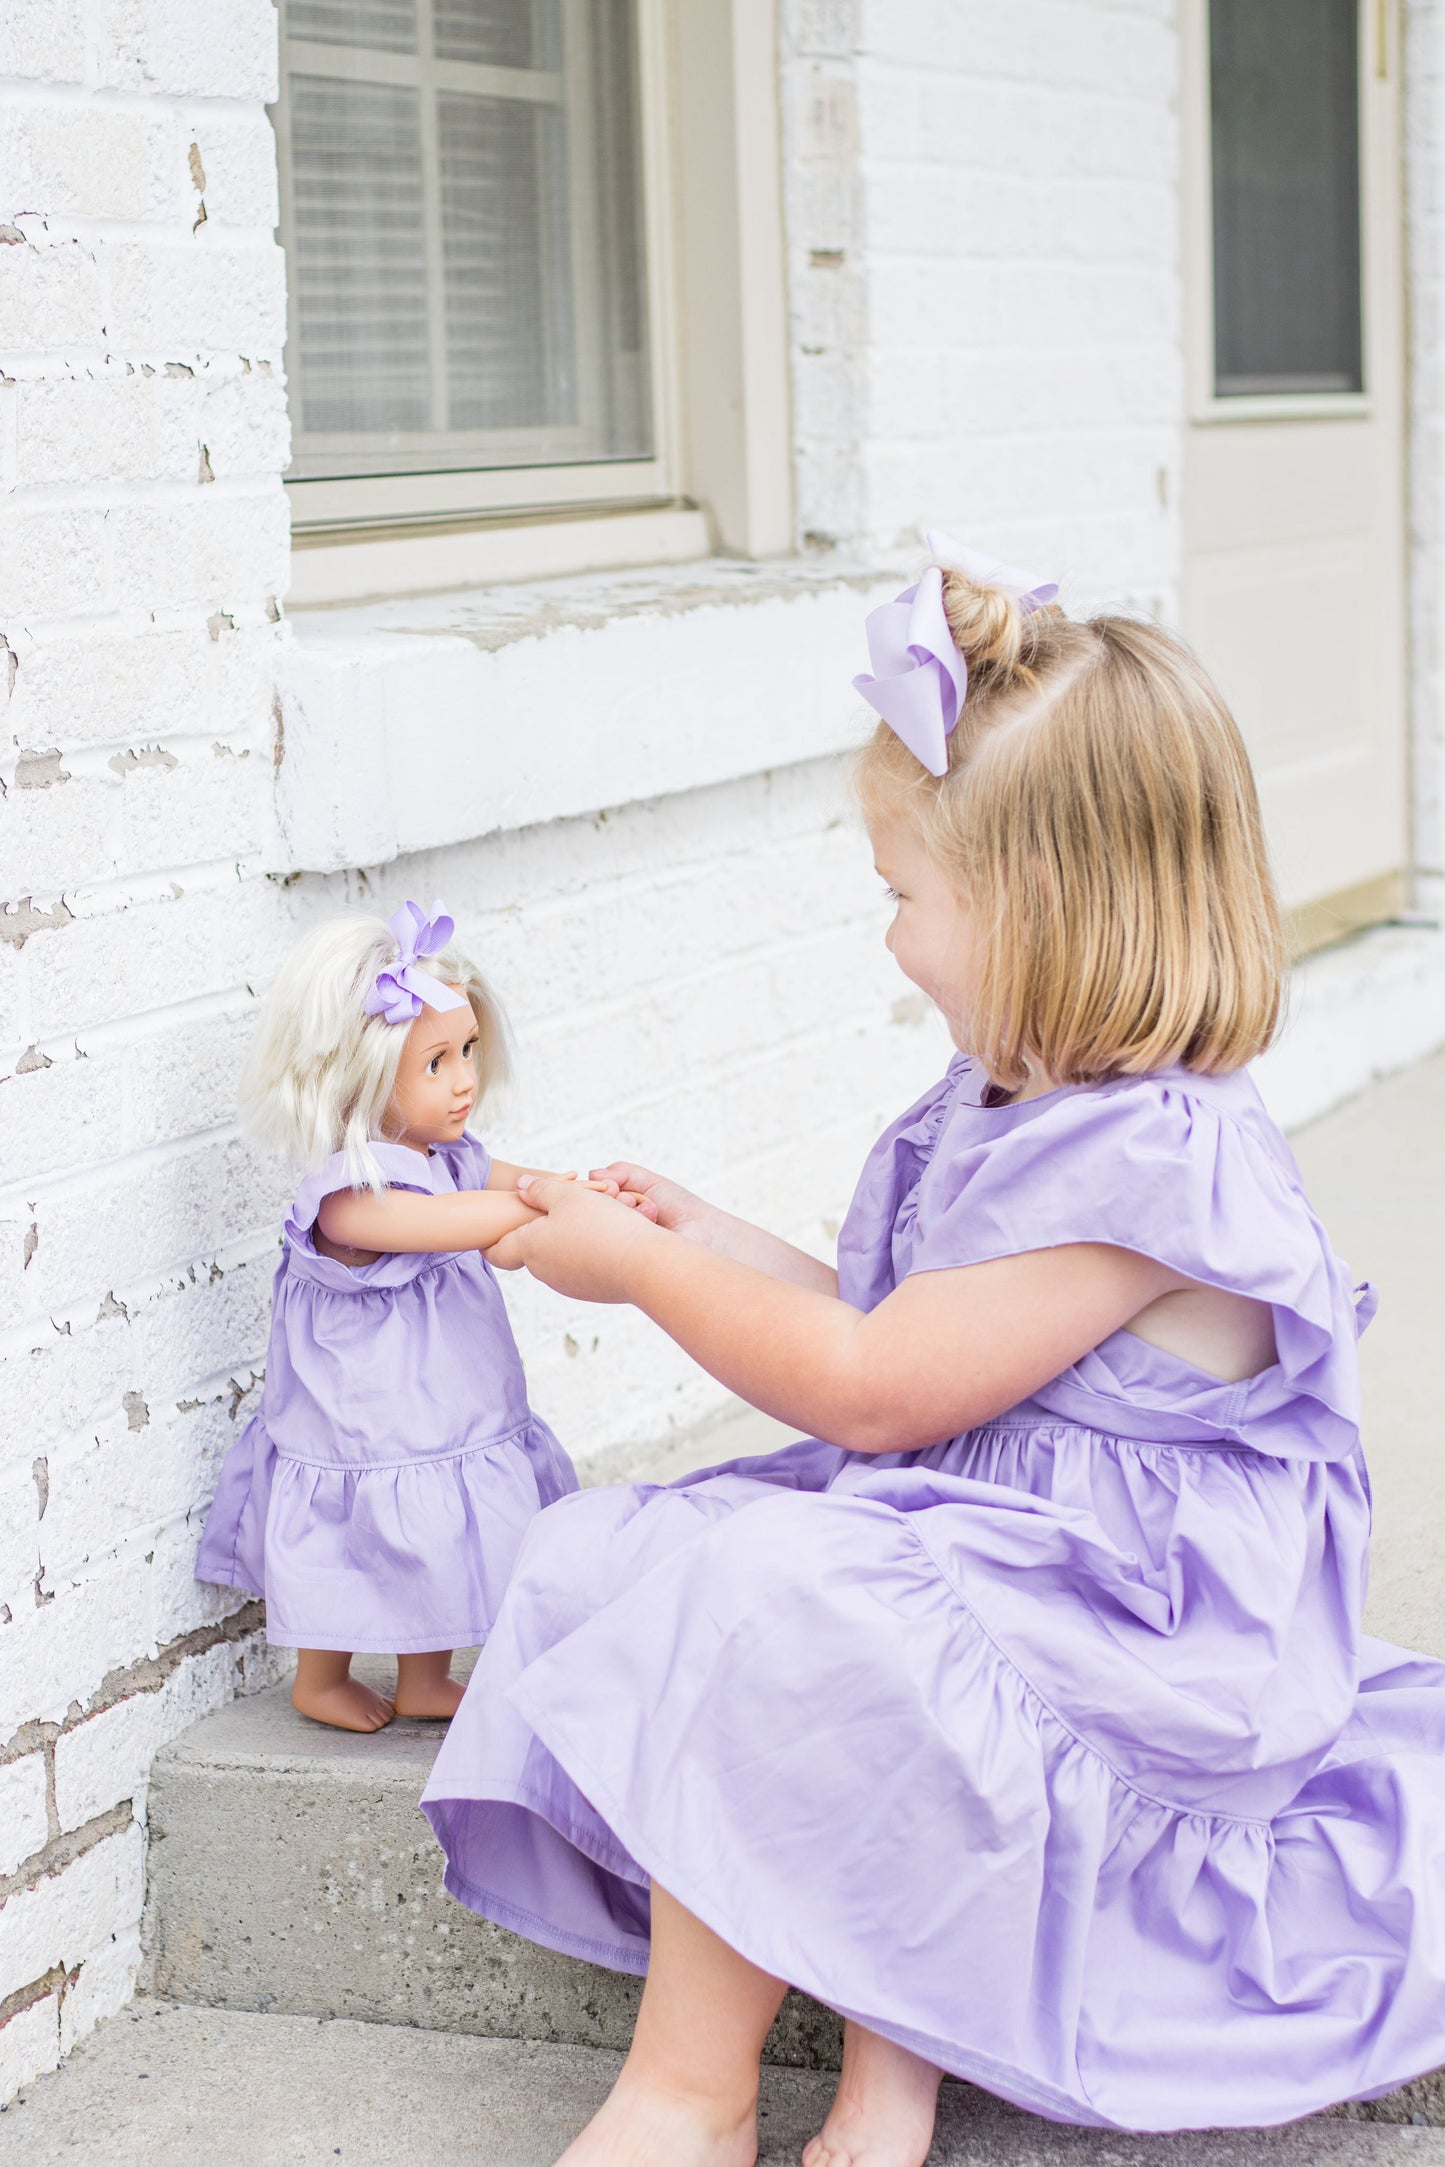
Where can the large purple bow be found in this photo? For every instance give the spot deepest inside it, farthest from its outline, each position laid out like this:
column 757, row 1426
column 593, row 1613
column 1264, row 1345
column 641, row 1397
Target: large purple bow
column 920, row 678
column 403, row 989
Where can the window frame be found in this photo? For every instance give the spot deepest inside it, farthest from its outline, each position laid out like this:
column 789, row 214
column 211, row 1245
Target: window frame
column 1373, row 29
column 328, row 510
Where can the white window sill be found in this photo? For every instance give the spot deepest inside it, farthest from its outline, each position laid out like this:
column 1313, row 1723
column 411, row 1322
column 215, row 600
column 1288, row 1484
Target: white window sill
column 410, row 724
column 370, row 564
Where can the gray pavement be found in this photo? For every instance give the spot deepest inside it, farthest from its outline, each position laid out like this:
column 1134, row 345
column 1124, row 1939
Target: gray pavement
column 161, row 2086
column 1375, row 1170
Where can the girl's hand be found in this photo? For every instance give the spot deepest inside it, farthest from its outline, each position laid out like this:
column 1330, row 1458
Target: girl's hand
column 581, row 1246
column 664, row 1201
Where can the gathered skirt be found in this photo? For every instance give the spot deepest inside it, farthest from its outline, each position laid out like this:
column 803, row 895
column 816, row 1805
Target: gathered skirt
column 933, row 1740
column 391, row 1560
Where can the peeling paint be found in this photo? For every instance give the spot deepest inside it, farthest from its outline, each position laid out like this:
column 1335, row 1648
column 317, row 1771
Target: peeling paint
column 31, row 1060
column 137, row 1413
column 20, row 919
column 38, row 770
column 121, row 763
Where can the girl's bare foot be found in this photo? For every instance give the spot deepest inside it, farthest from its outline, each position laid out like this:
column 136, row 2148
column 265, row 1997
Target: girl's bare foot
column 426, row 1687
column 883, row 2113
column 647, row 2125
column 343, row 1702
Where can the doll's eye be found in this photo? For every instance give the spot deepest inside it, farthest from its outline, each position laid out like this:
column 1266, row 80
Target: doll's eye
column 891, row 895
column 434, row 1064
column 469, row 1049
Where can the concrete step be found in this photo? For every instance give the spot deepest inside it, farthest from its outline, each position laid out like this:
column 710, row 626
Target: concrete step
column 290, row 1870
column 162, row 2086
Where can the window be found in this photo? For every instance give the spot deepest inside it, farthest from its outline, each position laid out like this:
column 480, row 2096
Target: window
column 1284, row 98
column 464, row 213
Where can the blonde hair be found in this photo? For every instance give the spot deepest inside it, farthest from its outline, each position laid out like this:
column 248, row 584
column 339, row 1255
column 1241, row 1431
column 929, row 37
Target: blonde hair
column 1099, row 817
column 321, row 1072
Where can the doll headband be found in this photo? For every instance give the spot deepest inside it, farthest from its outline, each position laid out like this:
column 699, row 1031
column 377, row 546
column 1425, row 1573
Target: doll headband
column 403, row 989
column 919, row 676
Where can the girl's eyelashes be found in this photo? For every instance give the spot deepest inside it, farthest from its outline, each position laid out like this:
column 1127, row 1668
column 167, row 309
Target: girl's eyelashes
column 891, row 895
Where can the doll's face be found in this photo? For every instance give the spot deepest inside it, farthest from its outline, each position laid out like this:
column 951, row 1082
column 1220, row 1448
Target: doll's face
column 436, row 1080
column 931, row 938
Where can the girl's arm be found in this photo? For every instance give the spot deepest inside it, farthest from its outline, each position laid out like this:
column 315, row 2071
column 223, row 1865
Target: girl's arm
column 402, row 1219
column 946, row 1351
column 681, row 1212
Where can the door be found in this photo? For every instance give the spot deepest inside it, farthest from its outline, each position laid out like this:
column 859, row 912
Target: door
column 1294, row 547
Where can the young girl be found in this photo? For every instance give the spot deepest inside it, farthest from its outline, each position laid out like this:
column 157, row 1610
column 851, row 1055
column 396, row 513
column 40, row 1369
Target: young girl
column 1027, row 1720
column 379, row 1496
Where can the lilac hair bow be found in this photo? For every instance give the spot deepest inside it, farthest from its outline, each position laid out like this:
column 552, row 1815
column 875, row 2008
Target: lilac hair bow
column 403, row 989
column 919, row 677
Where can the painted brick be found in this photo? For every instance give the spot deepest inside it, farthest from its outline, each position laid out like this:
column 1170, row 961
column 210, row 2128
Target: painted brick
column 179, row 295
column 89, row 686
column 134, row 1216
column 237, row 153
column 124, row 421
column 107, row 1758
column 190, row 48
column 23, row 1820
column 19, row 1537
column 88, row 161
column 198, row 551
column 54, row 558
column 105, row 1983
column 40, row 42
column 29, row 2044
column 207, row 939
column 50, row 295
column 177, row 1346
column 67, row 1918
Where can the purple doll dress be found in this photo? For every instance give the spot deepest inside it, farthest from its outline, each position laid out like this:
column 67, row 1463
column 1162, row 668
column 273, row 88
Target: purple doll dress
column 1056, row 1752
column 379, row 1497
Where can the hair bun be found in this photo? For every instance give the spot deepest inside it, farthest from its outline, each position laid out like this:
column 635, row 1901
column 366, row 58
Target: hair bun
column 989, row 624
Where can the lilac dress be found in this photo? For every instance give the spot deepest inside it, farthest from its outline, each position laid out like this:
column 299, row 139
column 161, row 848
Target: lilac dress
column 379, row 1497
column 1055, row 1752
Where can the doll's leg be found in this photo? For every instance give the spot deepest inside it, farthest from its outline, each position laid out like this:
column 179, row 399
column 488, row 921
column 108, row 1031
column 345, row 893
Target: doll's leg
column 883, row 2112
column 425, row 1685
column 687, row 2095
column 325, row 1690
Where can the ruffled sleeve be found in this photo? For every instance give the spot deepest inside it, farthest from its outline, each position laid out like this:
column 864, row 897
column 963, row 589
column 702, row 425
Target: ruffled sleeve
column 402, row 1168
column 1187, row 1170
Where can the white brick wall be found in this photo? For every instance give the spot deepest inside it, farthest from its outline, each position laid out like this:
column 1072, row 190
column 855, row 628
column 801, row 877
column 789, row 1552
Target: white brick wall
column 984, row 217
column 143, row 536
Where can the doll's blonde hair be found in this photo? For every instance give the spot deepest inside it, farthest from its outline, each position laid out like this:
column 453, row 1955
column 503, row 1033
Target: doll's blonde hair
column 1099, row 817
column 321, row 1072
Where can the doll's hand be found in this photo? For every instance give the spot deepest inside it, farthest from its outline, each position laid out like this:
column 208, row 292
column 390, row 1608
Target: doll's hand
column 581, row 1245
column 665, row 1202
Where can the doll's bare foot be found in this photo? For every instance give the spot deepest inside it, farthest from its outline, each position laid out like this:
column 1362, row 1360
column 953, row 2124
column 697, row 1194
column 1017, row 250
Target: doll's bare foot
column 426, row 1687
column 325, row 1690
column 884, row 2109
column 645, row 2125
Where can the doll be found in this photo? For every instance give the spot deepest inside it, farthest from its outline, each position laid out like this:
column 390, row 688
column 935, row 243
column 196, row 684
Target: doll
column 379, row 1496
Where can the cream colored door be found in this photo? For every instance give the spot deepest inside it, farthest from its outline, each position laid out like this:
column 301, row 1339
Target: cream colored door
column 1293, row 507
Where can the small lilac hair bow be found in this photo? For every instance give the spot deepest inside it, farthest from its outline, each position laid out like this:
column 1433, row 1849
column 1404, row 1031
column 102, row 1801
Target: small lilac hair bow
column 403, row 989
column 920, row 678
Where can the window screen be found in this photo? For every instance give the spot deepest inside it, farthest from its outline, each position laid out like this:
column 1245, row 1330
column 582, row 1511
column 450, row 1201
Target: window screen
column 1286, row 174
column 462, row 215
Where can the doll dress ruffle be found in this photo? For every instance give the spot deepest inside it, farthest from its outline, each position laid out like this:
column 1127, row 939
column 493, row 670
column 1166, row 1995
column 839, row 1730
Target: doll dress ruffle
column 1055, row 1752
column 379, row 1497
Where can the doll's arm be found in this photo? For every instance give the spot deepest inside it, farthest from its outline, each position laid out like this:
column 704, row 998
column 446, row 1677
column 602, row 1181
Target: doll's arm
column 401, row 1219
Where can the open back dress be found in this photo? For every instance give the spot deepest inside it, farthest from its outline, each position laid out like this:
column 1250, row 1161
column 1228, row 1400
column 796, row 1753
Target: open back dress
column 1055, row 1752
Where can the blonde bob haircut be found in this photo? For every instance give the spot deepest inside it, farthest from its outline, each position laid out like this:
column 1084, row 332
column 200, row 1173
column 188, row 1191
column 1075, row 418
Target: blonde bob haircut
column 321, row 1072
column 1099, row 818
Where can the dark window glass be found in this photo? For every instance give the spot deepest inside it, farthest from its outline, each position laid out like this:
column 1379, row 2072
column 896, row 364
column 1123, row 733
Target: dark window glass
column 1286, row 172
